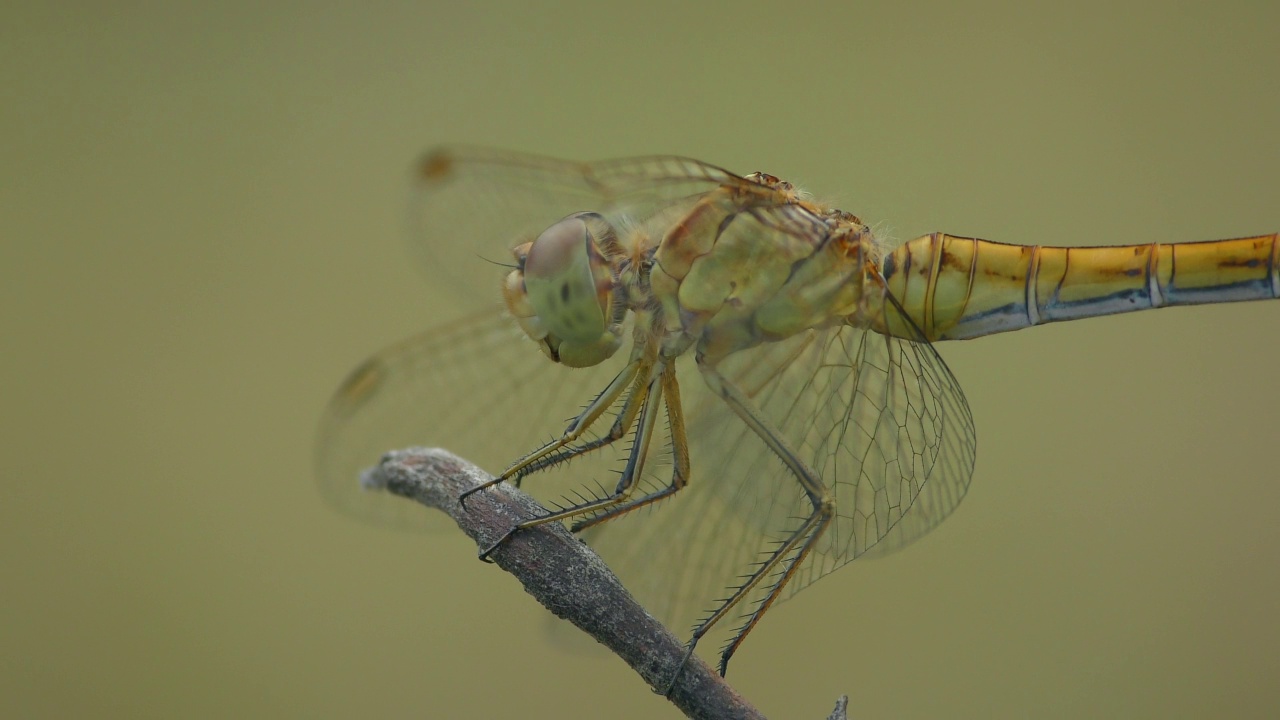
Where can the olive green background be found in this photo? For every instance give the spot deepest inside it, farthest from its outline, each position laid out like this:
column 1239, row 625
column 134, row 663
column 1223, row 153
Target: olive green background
column 200, row 214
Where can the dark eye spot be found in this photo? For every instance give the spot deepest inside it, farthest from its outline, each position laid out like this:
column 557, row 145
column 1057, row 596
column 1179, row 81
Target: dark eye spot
column 564, row 293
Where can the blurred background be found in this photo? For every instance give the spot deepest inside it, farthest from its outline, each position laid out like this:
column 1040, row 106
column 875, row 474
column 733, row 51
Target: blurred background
column 200, row 235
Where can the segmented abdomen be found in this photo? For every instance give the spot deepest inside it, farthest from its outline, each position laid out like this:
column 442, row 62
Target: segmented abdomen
column 956, row 288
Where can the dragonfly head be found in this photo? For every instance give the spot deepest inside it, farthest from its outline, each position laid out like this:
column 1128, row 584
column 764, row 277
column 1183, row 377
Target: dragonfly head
column 562, row 291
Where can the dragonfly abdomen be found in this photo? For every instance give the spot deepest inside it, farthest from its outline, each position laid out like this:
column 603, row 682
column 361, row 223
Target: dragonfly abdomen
column 956, row 288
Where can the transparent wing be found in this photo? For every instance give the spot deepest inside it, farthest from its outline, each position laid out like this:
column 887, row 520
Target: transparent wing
column 472, row 205
column 476, row 387
column 880, row 419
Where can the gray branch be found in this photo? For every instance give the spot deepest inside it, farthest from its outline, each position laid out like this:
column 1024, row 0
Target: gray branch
column 564, row 575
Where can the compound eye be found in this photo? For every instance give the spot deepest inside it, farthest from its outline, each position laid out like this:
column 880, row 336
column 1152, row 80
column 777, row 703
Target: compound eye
column 570, row 288
column 560, row 254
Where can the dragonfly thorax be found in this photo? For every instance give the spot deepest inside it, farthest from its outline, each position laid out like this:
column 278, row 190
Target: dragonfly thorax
column 562, row 291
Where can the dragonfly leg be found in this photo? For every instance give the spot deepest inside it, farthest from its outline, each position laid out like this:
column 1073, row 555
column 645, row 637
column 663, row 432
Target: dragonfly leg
column 635, row 465
column 621, row 426
column 811, row 531
column 680, row 451
column 789, row 553
column 554, row 452
column 797, row 545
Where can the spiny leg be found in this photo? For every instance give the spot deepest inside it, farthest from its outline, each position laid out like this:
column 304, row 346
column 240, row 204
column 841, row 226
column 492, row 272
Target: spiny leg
column 796, row 546
column 630, row 376
column 622, row 423
column 633, row 470
column 814, row 527
column 802, row 537
column 679, row 449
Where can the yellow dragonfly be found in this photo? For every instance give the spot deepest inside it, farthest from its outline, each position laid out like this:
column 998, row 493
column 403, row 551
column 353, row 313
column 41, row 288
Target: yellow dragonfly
column 737, row 382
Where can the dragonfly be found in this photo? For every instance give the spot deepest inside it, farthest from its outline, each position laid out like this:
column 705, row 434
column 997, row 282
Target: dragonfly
column 734, row 386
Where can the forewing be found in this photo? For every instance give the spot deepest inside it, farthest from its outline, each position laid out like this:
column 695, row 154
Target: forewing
column 471, row 206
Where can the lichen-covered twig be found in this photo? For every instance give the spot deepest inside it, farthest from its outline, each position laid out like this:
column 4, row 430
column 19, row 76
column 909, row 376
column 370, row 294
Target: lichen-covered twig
column 563, row 574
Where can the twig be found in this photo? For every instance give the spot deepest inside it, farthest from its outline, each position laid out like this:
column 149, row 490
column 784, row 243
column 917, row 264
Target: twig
column 563, row 574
